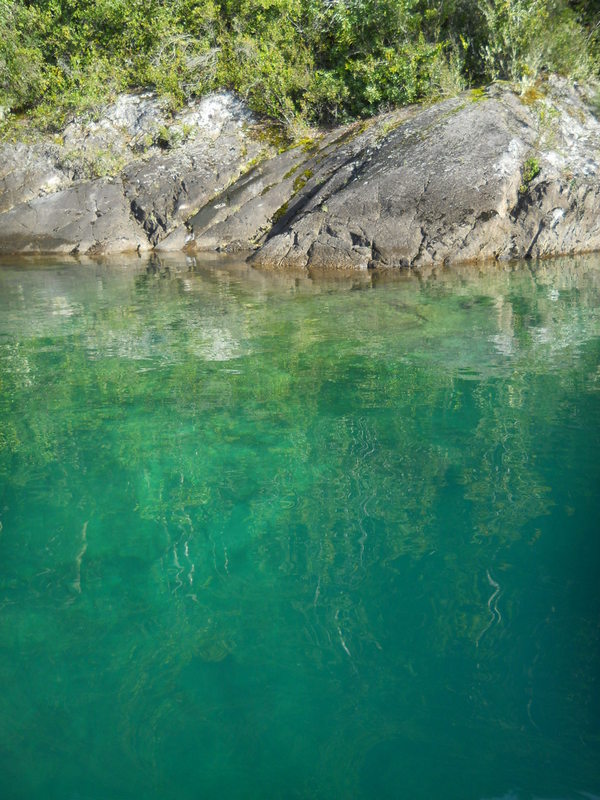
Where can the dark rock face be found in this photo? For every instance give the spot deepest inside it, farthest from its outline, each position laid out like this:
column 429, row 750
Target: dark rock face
column 486, row 175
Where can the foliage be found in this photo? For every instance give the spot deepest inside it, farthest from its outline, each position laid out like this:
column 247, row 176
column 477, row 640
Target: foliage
column 531, row 169
column 296, row 60
column 528, row 36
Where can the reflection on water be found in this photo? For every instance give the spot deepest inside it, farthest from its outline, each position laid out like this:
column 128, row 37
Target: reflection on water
column 268, row 536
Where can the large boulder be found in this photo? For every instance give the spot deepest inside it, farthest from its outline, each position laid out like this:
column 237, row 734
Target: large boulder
column 487, row 175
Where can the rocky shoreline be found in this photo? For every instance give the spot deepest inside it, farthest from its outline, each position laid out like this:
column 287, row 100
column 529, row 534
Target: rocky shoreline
column 489, row 175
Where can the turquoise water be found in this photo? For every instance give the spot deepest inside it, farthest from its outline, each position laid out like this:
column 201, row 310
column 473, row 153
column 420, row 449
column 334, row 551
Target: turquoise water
column 264, row 537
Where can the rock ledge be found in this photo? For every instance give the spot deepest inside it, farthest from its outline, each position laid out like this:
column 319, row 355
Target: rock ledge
column 485, row 175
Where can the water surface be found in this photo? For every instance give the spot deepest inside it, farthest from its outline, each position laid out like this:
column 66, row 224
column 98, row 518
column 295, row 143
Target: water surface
column 264, row 537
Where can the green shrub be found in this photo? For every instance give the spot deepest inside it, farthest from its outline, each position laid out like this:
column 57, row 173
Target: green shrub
column 531, row 169
column 272, row 75
column 526, row 37
column 326, row 97
column 296, row 60
column 22, row 64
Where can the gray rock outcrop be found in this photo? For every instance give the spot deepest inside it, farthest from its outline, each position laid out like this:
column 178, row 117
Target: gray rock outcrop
column 90, row 218
column 482, row 176
column 486, row 175
column 138, row 169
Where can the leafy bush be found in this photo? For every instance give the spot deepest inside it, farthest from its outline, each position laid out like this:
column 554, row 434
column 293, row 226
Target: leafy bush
column 23, row 69
column 525, row 37
column 531, row 169
column 296, row 60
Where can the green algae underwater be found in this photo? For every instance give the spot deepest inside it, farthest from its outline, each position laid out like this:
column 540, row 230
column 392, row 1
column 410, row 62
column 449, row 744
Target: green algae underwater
column 272, row 537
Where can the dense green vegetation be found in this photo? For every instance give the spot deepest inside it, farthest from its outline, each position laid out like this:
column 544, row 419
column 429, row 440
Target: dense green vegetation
column 297, row 60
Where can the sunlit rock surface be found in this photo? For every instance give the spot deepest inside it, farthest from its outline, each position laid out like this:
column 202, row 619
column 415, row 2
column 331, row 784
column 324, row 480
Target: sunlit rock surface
column 486, row 175
column 451, row 184
column 160, row 169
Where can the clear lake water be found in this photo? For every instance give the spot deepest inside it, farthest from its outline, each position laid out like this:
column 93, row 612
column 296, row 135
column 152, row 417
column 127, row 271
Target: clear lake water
column 270, row 537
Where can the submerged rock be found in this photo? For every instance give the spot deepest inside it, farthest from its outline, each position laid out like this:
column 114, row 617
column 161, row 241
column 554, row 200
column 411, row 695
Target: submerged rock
column 486, row 175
